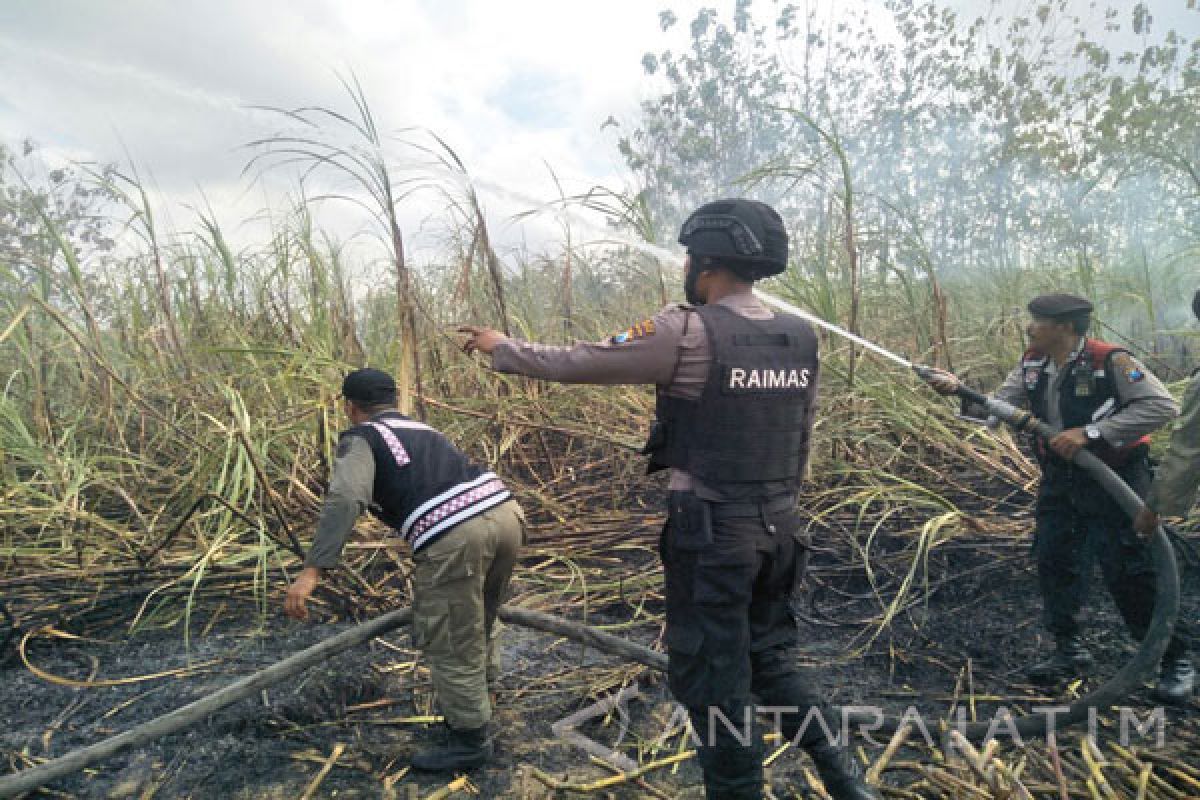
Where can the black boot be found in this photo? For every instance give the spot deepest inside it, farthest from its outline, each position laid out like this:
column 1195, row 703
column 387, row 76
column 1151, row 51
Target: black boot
column 463, row 749
column 840, row 773
column 1070, row 659
column 1176, row 680
column 731, row 772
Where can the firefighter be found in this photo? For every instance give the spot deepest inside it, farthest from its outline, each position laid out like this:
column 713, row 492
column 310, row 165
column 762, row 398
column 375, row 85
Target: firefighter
column 465, row 531
column 736, row 390
column 1104, row 399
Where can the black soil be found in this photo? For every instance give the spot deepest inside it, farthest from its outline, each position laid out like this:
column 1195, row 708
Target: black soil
column 973, row 625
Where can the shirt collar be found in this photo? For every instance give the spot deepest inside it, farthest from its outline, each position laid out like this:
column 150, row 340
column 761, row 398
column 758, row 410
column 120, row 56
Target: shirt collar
column 1071, row 358
column 744, row 299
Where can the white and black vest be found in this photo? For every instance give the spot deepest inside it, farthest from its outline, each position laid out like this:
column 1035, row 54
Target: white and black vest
column 424, row 485
column 747, row 435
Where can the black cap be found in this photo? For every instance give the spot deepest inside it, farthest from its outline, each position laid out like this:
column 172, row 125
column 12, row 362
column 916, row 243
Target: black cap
column 368, row 388
column 1059, row 305
column 746, row 235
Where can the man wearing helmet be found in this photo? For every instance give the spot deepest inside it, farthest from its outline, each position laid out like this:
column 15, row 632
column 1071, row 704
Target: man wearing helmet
column 736, row 389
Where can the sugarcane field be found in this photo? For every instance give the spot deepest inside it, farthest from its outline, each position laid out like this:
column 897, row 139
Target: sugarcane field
column 743, row 400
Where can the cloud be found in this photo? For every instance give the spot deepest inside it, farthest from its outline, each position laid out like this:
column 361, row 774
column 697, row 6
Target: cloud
column 515, row 88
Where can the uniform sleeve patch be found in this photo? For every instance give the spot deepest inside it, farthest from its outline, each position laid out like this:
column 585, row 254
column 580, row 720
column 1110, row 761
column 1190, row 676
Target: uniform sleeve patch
column 642, row 330
column 343, row 447
column 1129, row 367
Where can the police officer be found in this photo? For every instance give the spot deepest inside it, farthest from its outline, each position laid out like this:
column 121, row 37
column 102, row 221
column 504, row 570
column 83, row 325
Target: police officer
column 736, row 390
column 1173, row 494
column 464, row 529
column 1102, row 399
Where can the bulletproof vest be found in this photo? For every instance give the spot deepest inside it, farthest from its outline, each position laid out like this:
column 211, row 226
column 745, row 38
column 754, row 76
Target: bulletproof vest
column 750, row 426
column 1087, row 394
column 424, row 485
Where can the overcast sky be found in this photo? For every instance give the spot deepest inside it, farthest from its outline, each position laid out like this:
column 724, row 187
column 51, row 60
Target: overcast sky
column 512, row 85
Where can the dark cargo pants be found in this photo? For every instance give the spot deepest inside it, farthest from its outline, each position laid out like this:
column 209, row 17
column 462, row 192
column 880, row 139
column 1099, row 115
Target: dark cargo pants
column 1078, row 524
column 730, row 570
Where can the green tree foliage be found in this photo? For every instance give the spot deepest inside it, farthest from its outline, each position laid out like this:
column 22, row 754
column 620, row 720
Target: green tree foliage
column 43, row 209
column 996, row 156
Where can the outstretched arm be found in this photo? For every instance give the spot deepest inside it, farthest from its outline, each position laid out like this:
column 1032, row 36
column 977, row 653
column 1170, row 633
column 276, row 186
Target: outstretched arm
column 645, row 353
column 348, row 496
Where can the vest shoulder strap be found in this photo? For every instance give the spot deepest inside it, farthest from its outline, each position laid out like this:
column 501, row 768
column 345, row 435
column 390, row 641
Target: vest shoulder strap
column 1102, row 352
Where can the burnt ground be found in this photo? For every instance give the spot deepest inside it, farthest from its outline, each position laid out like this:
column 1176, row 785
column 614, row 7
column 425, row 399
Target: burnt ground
column 972, row 626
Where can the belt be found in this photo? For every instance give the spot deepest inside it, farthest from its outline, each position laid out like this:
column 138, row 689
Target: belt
column 774, row 505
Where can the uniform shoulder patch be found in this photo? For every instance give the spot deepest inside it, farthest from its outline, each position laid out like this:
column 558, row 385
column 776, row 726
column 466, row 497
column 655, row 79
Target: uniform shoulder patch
column 1127, row 366
column 641, row 330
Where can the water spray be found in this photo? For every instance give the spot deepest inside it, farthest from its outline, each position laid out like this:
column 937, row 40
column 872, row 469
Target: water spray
column 1166, row 604
column 772, row 300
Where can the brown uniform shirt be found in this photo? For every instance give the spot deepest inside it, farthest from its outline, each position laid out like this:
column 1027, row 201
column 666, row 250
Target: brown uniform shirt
column 669, row 350
column 1178, row 477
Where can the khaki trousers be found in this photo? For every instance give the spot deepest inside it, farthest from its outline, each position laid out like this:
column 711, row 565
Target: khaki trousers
column 460, row 581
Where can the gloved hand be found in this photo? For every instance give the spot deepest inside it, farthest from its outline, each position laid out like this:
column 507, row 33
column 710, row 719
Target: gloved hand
column 942, row 382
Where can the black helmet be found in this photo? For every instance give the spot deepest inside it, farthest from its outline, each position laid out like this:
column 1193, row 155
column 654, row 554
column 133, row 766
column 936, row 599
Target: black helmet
column 744, row 234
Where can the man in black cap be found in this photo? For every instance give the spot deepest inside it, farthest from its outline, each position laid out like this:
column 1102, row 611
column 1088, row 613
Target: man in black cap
column 1099, row 397
column 736, row 388
column 465, row 531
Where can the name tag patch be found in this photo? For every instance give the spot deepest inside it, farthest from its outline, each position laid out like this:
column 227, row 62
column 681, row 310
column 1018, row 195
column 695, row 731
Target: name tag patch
column 749, row 380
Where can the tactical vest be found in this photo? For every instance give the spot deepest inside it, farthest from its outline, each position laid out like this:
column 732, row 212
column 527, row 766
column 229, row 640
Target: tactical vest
column 750, row 426
column 424, row 485
column 1087, row 394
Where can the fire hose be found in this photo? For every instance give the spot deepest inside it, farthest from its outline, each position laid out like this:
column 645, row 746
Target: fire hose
column 1118, row 687
column 1166, row 598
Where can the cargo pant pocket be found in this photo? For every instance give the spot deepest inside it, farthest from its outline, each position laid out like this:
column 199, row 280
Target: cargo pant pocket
column 689, row 521
column 719, row 582
column 431, row 624
column 687, row 669
column 707, row 665
column 455, row 556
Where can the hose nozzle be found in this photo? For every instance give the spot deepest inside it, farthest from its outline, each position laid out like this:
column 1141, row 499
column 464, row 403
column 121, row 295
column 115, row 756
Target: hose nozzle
column 928, row 374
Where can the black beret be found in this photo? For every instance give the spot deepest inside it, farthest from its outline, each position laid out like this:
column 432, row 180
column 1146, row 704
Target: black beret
column 369, row 387
column 1059, row 305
